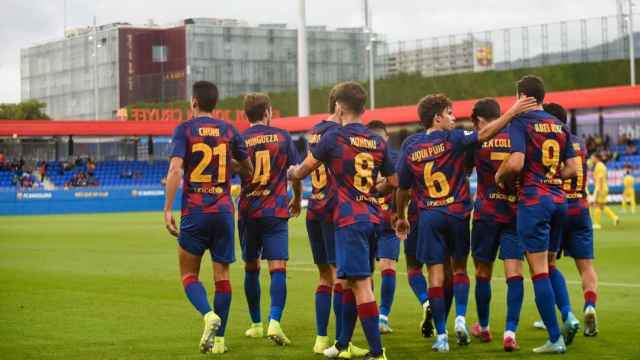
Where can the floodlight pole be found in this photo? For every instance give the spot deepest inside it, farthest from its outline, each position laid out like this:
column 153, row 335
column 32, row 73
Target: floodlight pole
column 371, row 40
column 303, row 70
column 632, row 47
column 95, row 69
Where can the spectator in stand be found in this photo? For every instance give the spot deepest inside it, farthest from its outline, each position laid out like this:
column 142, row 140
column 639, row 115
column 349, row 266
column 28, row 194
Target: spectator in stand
column 42, row 168
column 3, row 162
column 91, row 167
column 631, row 148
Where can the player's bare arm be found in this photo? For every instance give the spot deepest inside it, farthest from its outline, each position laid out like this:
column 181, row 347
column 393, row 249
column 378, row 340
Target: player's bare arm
column 570, row 168
column 303, row 170
column 295, row 205
column 523, row 104
column 402, row 204
column 245, row 168
column 174, row 175
column 387, row 185
column 509, row 168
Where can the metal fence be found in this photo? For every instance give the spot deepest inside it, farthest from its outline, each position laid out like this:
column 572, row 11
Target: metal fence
column 578, row 41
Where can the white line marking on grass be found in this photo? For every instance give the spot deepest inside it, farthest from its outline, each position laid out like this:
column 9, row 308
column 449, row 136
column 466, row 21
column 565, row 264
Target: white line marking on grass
column 573, row 282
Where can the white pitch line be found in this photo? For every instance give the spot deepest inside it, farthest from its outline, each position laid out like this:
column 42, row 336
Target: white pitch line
column 573, row 282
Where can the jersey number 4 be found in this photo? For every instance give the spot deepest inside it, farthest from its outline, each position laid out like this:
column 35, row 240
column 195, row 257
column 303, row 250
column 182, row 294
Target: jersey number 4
column 208, row 153
column 263, row 167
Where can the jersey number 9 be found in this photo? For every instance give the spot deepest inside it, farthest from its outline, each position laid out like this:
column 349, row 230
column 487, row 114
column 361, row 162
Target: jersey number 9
column 551, row 157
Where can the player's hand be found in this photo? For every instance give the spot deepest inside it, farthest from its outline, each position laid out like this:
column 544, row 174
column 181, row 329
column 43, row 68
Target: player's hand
column 291, row 171
column 523, row 104
column 295, row 207
column 402, row 228
column 170, row 223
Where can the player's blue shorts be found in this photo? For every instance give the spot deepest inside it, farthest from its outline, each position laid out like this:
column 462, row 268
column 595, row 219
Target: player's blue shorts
column 264, row 238
column 355, row 250
column 441, row 235
column 411, row 242
column 488, row 236
column 323, row 242
column 577, row 237
column 215, row 232
column 540, row 225
column 388, row 245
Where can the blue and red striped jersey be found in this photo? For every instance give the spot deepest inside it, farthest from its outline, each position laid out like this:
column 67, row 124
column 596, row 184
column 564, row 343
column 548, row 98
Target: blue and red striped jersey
column 265, row 194
column 545, row 143
column 493, row 203
column 354, row 156
column 435, row 165
column 576, row 188
column 387, row 203
column 322, row 199
column 207, row 146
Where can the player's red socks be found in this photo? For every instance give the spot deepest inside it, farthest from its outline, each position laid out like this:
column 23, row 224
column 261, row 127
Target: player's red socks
column 369, row 318
column 323, row 309
column 222, row 303
column 590, row 298
column 196, row 293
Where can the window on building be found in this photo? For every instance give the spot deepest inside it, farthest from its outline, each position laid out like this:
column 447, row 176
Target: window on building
column 159, row 53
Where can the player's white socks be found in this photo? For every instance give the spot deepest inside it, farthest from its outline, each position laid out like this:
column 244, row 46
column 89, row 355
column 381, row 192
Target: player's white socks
column 510, row 334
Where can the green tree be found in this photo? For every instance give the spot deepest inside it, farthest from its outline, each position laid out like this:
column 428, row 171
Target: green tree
column 26, row 110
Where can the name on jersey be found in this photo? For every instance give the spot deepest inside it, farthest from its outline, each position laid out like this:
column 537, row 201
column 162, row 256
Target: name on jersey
column 262, row 139
column 427, row 152
column 497, row 143
column 314, row 139
column 547, row 128
column 363, row 142
column 208, row 131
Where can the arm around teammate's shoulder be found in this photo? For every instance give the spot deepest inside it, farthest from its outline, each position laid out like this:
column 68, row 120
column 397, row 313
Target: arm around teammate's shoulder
column 490, row 130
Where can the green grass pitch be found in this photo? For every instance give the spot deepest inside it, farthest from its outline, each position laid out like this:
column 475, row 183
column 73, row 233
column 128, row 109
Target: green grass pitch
column 107, row 287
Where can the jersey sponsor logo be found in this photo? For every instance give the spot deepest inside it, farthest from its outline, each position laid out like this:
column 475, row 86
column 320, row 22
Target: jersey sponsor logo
column 440, row 202
column 428, row 152
column 363, row 142
column 208, row 131
column 547, row 128
column 262, row 139
column 207, row 190
column 369, row 199
column 505, row 197
column 259, row 193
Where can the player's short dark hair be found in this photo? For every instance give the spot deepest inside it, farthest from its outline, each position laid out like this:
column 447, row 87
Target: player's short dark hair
column 206, row 94
column 351, row 96
column 532, row 86
column 377, row 125
column 556, row 110
column 430, row 106
column 256, row 106
column 487, row 108
column 332, row 101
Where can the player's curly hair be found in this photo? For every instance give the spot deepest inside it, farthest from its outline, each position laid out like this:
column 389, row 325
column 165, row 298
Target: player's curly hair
column 430, row 106
column 557, row 111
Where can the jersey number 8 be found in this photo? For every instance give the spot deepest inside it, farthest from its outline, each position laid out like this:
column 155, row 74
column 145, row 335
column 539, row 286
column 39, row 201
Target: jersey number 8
column 363, row 180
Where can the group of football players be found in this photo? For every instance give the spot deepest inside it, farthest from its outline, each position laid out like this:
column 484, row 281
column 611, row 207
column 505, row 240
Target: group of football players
column 366, row 199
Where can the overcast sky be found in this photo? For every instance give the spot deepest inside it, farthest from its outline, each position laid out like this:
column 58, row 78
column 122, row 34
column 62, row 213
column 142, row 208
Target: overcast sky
column 27, row 22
